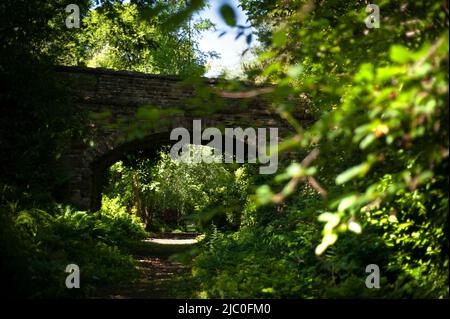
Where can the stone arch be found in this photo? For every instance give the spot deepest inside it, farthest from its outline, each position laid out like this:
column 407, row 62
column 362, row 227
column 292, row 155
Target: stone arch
column 99, row 164
column 150, row 145
column 121, row 94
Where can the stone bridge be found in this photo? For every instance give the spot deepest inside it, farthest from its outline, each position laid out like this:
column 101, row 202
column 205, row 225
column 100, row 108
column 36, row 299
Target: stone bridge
column 125, row 112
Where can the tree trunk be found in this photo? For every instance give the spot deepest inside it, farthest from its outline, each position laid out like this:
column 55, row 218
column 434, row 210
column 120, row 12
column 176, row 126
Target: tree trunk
column 137, row 200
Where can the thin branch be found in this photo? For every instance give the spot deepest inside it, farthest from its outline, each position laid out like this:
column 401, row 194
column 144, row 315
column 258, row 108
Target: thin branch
column 245, row 95
column 429, row 54
column 315, row 184
column 293, row 183
column 310, row 157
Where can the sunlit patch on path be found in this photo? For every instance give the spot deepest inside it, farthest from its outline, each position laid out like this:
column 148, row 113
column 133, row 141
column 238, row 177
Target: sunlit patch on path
column 165, row 241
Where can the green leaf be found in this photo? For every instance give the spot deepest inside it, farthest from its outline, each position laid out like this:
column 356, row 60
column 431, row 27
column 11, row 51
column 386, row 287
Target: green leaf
column 249, row 38
column 272, row 68
column 399, row 54
column 355, row 227
column 358, row 170
column 347, row 202
column 295, row 70
column 369, row 139
column 279, row 38
column 325, row 217
column 268, row 290
column 328, row 240
column 240, row 34
column 295, row 169
column 365, row 73
column 228, row 15
column 264, row 194
column 386, row 73
column 148, row 113
column 320, row 249
column 100, row 115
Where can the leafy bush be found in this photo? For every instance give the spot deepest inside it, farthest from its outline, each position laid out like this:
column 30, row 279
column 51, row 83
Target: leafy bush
column 378, row 160
column 36, row 245
column 118, row 224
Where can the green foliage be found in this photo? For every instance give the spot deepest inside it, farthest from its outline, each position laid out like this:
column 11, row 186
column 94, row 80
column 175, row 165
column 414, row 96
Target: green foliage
column 167, row 193
column 41, row 243
column 273, row 257
column 379, row 156
column 119, row 224
column 132, row 37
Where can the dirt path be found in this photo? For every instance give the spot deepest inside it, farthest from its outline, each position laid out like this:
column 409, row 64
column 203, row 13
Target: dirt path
column 165, row 271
